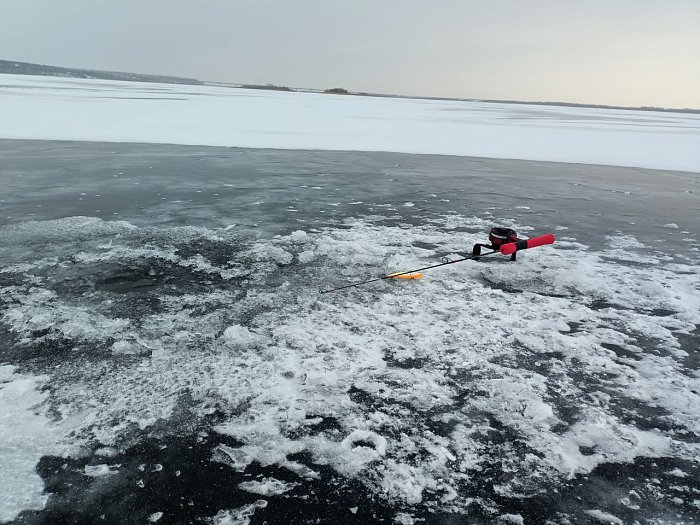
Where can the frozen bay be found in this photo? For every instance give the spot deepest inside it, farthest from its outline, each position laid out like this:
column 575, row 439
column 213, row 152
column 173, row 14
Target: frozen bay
column 167, row 355
column 100, row 110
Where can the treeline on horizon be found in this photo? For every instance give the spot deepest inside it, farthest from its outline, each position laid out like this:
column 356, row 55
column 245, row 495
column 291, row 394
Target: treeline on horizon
column 27, row 68
column 582, row 105
column 343, row 91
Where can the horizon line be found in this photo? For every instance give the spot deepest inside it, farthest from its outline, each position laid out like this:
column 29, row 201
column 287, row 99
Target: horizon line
column 279, row 87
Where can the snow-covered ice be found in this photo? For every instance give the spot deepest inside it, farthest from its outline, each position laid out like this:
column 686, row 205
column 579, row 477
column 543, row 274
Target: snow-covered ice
column 26, row 434
column 153, row 349
column 417, row 377
column 239, row 516
column 100, row 110
column 267, row 487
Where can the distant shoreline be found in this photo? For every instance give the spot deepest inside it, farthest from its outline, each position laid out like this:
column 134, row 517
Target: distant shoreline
column 28, row 68
column 273, row 87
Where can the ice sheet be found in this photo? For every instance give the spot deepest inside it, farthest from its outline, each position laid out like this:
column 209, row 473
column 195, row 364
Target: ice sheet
column 416, row 389
column 100, row 110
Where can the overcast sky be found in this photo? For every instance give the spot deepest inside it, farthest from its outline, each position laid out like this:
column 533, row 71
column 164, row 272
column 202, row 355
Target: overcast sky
column 627, row 52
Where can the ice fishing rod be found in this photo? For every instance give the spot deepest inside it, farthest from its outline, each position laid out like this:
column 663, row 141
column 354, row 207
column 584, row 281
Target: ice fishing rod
column 399, row 274
column 497, row 237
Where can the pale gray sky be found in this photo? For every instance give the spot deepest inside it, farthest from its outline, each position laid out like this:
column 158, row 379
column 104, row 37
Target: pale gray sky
column 627, row 52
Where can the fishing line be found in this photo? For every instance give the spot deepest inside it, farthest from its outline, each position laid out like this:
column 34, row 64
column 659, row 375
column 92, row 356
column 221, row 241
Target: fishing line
column 503, row 241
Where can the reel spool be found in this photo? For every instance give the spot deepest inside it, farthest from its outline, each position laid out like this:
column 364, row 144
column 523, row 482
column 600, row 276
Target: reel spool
column 498, row 236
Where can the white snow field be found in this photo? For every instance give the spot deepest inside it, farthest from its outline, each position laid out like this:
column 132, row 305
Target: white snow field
column 33, row 107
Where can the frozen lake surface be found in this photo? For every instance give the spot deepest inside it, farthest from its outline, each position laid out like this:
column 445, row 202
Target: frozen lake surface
column 101, row 110
column 166, row 354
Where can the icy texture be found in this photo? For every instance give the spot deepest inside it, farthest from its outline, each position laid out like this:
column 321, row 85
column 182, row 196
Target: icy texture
column 97, row 471
column 267, row 487
column 603, row 517
column 100, row 110
column 239, row 336
column 239, row 516
column 416, row 389
column 26, row 434
column 512, row 519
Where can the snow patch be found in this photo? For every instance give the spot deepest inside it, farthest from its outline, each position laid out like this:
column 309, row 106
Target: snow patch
column 26, row 434
column 512, row 519
column 239, row 516
column 267, row 487
column 604, row 517
column 98, row 471
column 240, row 336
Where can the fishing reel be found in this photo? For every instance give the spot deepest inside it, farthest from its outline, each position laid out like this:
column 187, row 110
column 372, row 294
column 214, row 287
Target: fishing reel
column 497, row 237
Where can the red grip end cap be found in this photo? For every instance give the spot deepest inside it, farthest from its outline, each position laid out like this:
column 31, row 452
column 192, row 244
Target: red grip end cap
column 547, row 238
column 542, row 240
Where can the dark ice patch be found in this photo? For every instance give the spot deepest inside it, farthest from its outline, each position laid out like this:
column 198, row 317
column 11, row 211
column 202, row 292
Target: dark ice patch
column 621, row 352
column 406, row 363
column 177, row 476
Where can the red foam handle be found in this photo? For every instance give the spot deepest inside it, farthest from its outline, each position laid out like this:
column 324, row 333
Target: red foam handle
column 512, row 247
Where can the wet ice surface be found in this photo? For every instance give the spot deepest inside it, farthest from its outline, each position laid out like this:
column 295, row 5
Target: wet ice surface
column 166, row 355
